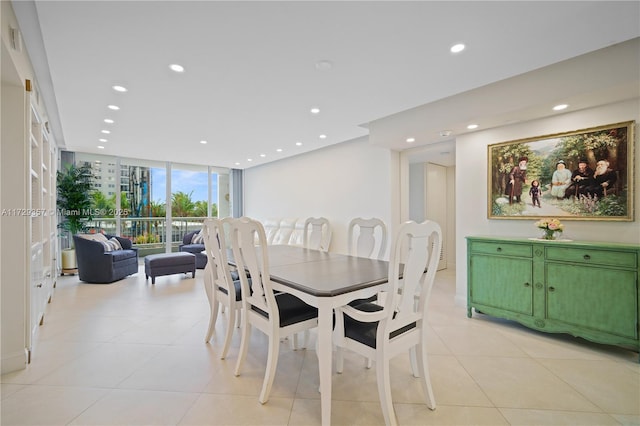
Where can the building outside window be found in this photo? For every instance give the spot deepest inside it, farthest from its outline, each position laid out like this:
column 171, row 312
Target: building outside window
column 139, row 210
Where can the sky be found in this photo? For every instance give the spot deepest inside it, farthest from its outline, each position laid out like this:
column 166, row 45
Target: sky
column 182, row 180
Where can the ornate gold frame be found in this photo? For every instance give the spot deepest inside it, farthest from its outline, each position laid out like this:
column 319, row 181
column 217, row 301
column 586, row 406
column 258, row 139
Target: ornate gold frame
column 613, row 142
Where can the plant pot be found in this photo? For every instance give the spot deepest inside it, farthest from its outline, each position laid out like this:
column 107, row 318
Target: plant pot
column 69, row 263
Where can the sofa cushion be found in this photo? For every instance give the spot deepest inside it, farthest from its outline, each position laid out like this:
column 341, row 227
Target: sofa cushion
column 120, row 255
column 94, row 237
column 198, row 238
column 192, row 248
column 112, row 244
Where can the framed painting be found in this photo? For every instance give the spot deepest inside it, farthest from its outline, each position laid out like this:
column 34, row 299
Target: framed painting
column 579, row 175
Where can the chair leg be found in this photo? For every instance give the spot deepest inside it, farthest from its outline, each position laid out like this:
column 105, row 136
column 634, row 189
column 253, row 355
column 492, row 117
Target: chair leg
column 270, row 372
column 244, row 343
column 339, row 360
column 213, row 305
column 426, row 378
column 414, row 362
column 384, row 388
column 230, row 327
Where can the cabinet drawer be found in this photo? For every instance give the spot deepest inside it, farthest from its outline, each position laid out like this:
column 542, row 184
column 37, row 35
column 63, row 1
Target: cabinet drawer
column 504, row 249
column 595, row 257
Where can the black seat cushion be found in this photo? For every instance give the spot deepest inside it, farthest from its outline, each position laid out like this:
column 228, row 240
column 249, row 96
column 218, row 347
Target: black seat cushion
column 238, row 288
column 357, row 302
column 365, row 332
column 292, row 310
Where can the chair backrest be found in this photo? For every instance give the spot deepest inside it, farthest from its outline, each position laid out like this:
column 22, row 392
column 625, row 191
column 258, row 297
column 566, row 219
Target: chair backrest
column 252, row 260
column 271, row 227
column 297, row 236
column 283, row 234
column 423, row 244
column 317, row 233
column 361, row 238
column 215, row 232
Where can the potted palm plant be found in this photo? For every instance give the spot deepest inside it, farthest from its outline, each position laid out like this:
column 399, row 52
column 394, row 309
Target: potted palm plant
column 74, row 185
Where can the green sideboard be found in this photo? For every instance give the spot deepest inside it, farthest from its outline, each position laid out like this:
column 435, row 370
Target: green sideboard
column 586, row 289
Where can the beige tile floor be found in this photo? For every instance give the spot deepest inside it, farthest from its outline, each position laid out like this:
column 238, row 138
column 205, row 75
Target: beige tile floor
column 132, row 353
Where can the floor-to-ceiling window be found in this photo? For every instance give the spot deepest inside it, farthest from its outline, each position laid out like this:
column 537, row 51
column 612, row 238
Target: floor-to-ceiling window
column 153, row 203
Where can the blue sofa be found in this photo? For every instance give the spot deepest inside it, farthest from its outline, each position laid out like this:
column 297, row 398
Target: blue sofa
column 197, row 249
column 96, row 264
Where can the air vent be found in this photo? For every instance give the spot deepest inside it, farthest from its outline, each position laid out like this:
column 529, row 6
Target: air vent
column 15, row 38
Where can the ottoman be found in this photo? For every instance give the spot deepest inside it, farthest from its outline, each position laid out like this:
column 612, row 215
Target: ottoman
column 156, row 265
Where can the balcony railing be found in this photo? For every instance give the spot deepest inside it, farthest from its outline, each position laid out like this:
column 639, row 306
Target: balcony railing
column 148, row 233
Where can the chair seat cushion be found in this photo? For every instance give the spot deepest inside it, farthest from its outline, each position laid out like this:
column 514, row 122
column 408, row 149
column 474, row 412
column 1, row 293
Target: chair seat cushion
column 357, row 302
column 238, row 287
column 292, row 309
column 365, row 332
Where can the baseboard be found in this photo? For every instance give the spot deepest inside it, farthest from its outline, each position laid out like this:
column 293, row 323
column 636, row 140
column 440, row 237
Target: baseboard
column 14, row 361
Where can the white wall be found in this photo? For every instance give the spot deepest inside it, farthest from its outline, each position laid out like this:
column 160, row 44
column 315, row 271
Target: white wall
column 339, row 182
column 471, row 180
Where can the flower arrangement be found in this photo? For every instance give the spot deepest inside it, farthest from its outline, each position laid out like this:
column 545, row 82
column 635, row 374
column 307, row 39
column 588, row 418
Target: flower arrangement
column 550, row 227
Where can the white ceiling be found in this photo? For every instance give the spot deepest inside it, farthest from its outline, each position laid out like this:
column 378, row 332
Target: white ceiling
column 251, row 74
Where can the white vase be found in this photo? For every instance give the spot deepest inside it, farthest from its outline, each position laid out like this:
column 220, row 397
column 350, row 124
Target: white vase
column 69, row 263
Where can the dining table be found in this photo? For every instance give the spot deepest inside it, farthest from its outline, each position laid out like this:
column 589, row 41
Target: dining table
column 327, row 281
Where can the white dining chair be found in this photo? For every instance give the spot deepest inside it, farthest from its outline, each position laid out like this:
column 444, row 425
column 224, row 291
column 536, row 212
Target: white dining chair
column 362, row 242
column 398, row 324
column 277, row 315
column 361, row 237
column 317, row 233
column 219, row 283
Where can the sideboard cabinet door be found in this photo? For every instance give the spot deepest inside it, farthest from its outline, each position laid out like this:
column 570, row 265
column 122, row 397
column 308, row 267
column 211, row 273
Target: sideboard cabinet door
column 500, row 277
column 503, row 283
column 598, row 299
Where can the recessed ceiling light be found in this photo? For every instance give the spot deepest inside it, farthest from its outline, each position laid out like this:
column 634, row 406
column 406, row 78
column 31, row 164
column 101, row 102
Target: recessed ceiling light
column 263, row 155
column 322, row 136
column 472, row 126
column 324, row 65
column 108, row 120
column 411, row 140
column 102, row 140
column 279, row 150
column 237, row 164
column 203, row 142
column 315, row 110
column 100, row 147
column 119, row 88
column 445, row 133
column 457, row 48
column 249, row 159
column 560, row 107
column 176, row 68
column 298, row 143
column 113, row 107
column 106, row 132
